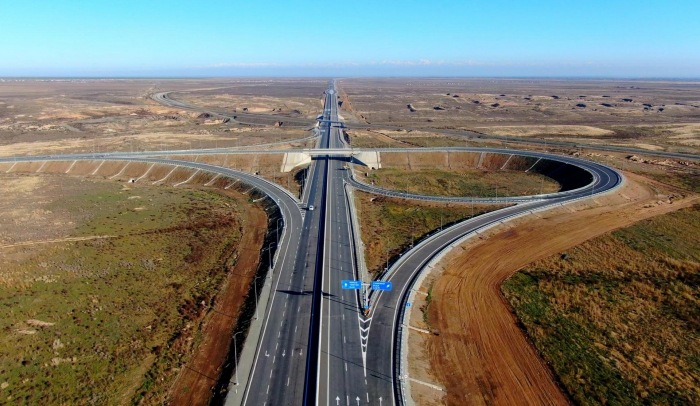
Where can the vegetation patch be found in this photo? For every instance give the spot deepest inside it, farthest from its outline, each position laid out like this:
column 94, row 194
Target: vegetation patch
column 464, row 182
column 618, row 318
column 112, row 318
column 390, row 226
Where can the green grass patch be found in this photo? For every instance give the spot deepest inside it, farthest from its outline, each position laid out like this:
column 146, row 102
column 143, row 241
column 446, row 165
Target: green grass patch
column 389, row 226
column 122, row 313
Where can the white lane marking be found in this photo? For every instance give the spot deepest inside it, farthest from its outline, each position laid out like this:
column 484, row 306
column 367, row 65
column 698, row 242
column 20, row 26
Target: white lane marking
column 267, row 318
column 329, row 179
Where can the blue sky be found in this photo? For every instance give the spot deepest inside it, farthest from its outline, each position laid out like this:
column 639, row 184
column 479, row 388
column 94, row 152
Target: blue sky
column 346, row 38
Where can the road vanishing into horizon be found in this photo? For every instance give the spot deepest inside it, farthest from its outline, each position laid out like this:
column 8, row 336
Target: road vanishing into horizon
column 317, row 345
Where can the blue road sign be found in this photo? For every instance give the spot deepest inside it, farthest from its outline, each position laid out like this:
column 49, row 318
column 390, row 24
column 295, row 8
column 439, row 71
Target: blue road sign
column 352, row 285
column 377, row 285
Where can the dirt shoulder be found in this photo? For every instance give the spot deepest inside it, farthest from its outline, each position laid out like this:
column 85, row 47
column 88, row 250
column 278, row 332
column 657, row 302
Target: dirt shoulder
column 481, row 356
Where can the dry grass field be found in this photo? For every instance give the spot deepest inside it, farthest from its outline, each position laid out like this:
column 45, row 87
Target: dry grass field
column 282, row 97
column 464, row 182
column 618, row 317
column 86, row 115
column 105, row 287
column 643, row 114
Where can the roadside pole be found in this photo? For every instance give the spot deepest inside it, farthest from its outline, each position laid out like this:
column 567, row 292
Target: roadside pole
column 235, row 355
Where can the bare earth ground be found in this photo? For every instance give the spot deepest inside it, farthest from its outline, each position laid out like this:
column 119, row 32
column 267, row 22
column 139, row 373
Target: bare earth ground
column 380, row 138
column 86, row 115
column 644, row 114
column 71, row 237
column 480, row 355
column 284, row 97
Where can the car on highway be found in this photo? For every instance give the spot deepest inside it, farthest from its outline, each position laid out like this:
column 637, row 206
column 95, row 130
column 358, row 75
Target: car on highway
column 311, row 207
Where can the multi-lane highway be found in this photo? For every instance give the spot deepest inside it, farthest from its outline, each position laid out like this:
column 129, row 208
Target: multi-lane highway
column 316, row 346
column 342, row 359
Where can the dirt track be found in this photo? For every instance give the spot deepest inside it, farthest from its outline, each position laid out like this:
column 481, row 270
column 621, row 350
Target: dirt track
column 481, row 356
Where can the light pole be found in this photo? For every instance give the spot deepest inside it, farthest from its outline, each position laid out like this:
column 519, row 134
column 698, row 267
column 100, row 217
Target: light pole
column 235, row 355
column 387, row 258
column 278, row 229
column 255, row 287
column 413, row 228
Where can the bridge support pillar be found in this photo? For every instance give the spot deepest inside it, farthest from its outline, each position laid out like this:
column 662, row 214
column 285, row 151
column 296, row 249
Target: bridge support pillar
column 372, row 159
column 293, row 160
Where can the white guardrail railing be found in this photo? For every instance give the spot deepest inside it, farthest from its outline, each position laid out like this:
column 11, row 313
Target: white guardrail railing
column 402, row 339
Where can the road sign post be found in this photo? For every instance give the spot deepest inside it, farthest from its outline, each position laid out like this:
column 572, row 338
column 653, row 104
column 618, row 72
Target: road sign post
column 355, row 285
column 381, row 285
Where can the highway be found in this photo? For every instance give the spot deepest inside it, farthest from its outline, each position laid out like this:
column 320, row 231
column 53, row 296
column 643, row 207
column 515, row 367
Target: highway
column 316, row 346
column 165, row 98
column 360, row 356
column 341, row 376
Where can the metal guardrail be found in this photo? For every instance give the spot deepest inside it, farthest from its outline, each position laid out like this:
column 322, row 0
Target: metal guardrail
column 358, row 244
column 399, row 367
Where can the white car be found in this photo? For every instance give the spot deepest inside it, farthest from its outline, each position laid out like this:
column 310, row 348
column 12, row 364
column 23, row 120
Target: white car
column 311, row 207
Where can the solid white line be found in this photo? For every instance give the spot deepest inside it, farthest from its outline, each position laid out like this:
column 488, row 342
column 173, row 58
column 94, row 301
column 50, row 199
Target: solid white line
column 329, row 188
column 283, row 207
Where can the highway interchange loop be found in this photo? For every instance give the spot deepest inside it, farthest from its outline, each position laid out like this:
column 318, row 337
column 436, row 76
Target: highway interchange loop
column 315, row 345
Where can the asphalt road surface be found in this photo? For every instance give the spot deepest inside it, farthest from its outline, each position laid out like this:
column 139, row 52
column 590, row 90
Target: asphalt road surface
column 317, row 347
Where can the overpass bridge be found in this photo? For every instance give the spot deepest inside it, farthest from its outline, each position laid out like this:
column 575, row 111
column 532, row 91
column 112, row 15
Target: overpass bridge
column 370, row 158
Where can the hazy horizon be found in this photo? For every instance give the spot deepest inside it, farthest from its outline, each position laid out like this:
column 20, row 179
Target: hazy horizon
column 595, row 39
